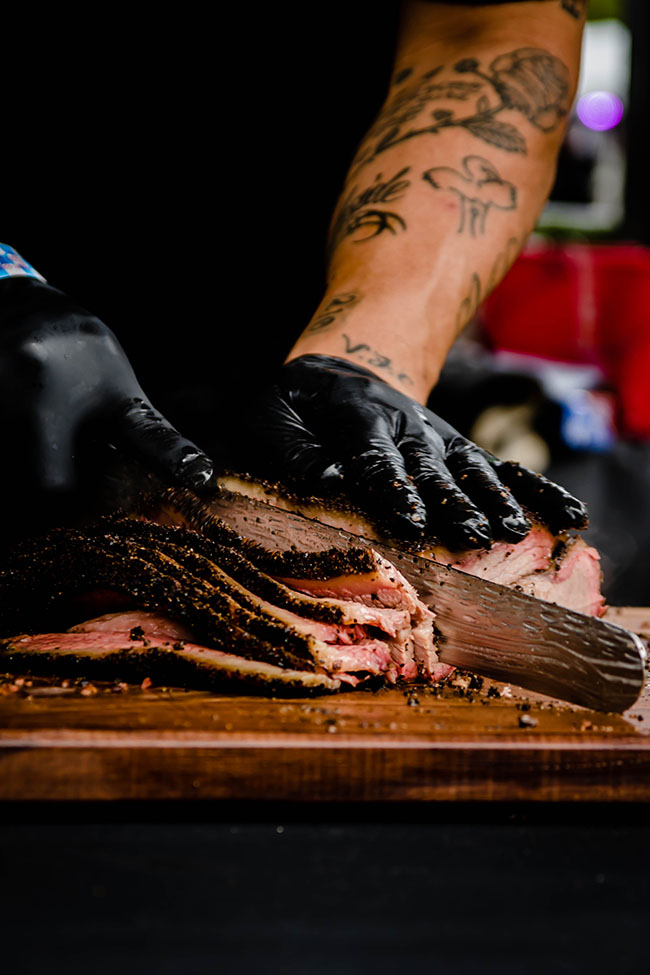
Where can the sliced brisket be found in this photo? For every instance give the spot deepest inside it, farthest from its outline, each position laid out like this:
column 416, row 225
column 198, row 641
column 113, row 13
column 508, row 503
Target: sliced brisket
column 200, row 605
column 561, row 569
column 111, row 655
column 365, row 621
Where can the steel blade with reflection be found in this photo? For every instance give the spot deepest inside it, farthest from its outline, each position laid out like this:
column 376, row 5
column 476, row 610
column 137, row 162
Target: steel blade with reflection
column 484, row 627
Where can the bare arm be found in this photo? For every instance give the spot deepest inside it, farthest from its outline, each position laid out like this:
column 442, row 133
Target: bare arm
column 447, row 184
column 442, row 193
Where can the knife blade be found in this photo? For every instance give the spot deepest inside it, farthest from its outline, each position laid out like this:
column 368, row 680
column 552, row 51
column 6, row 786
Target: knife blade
column 483, row 626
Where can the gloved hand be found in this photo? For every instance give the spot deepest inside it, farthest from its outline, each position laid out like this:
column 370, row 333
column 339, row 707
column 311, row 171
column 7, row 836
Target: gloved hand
column 63, row 374
column 325, row 419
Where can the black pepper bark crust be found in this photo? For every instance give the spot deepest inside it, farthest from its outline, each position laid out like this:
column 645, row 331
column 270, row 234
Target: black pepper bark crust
column 194, row 569
column 183, row 506
column 211, row 561
column 163, row 665
column 36, row 588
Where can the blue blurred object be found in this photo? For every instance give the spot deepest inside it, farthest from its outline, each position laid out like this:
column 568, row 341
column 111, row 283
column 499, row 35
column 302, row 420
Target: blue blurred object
column 586, row 421
column 587, row 416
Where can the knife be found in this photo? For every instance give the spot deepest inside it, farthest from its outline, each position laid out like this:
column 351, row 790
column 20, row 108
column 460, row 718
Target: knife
column 484, row 627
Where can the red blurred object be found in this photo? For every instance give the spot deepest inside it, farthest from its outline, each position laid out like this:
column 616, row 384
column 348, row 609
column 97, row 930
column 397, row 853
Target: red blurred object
column 582, row 303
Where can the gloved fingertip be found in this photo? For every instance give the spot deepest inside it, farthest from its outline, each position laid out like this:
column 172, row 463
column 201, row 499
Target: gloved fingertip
column 514, row 527
column 472, row 531
column 569, row 516
column 332, row 476
column 195, row 470
column 479, row 524
column 578, row 514
column 408, row 525
column 208, row 488
column 403, row 511
column 413, row 508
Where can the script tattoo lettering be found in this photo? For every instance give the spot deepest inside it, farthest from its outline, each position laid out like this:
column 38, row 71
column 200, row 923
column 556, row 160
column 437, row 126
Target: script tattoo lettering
column 376, row 359
column 470, row 304
column 575, row 8
column 402, row 75
column 479, row 187
column 528, row 80
column 333, row 311
column 358, row 210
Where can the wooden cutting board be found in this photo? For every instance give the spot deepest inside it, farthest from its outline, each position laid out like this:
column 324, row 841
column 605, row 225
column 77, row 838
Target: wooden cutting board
column 462, row 743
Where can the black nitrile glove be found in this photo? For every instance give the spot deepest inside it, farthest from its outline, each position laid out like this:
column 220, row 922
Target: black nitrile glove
column 326, row 419
column 65, row 382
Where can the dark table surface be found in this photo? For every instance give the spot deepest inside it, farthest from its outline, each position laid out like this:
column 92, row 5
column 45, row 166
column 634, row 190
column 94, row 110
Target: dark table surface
column 212, row 887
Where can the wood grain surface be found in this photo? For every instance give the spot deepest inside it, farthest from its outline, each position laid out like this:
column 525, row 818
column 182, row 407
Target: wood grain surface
column 459, row 743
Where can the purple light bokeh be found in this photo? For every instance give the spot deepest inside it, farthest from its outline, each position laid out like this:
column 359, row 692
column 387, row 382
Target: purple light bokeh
column 600, row 110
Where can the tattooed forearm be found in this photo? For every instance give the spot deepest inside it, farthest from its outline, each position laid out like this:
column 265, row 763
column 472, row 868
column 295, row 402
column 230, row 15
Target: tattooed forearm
column 469, row 304
column 334, row 310
column 575, row 8
column 375, row 359
column 527, row 80
column 478, row 187
column 358, row 211
column 476, row 293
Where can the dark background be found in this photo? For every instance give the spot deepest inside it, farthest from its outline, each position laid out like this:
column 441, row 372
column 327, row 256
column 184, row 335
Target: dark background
column 177, row 177
column 440, row 888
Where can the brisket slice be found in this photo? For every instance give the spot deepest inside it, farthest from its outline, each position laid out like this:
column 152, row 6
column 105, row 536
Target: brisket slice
column 351, row 587
column 139, row 625
column 111, row 655
column 335, row 610
column 558, row 568
column 32, row 588
column 184, row 574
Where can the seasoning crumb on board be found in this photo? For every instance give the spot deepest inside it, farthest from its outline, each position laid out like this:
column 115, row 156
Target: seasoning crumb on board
column 526, row 721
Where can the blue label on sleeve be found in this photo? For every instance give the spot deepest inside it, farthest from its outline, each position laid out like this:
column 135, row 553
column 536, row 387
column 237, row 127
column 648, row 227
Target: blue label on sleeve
column 12, row 265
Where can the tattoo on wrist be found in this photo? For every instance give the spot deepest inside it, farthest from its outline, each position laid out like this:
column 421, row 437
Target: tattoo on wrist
column 334, row 311
column 478, row 187
column 575, row 8
column 528, row 80
column 476, row 293
column 375, row 359
column 358, row 210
